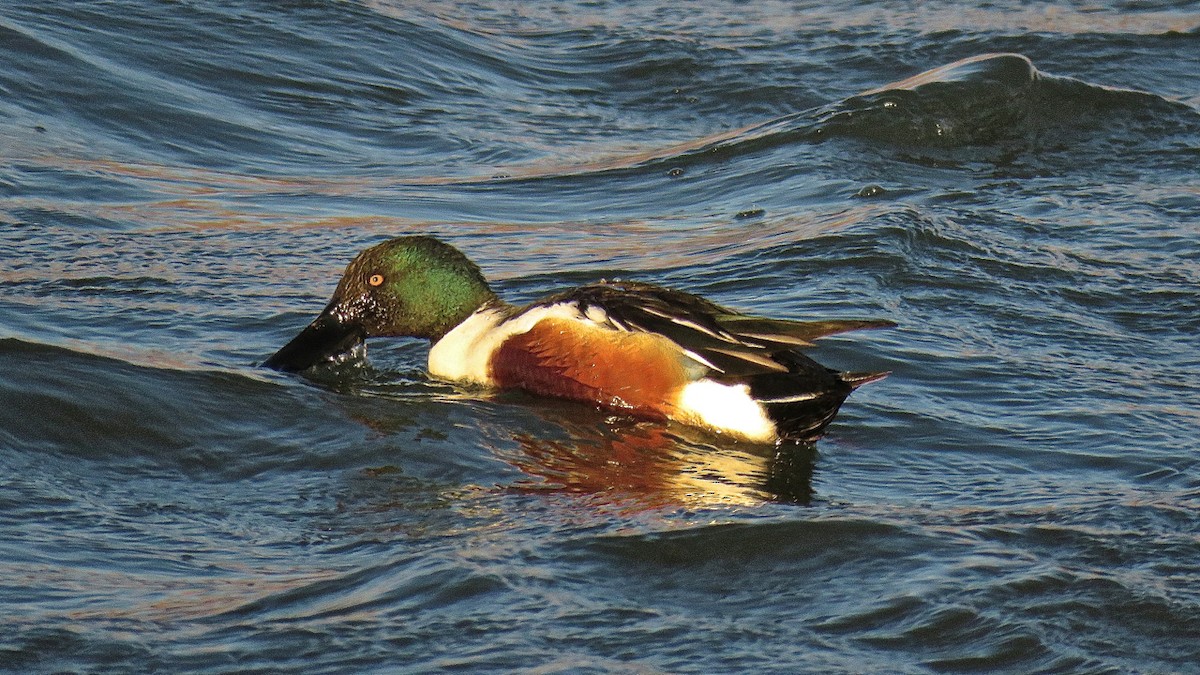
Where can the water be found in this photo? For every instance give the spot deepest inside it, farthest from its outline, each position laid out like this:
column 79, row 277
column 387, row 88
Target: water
column 182, row 183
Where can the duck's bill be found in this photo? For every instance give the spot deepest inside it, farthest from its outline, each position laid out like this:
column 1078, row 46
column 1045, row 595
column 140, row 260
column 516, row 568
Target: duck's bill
column 324, row 340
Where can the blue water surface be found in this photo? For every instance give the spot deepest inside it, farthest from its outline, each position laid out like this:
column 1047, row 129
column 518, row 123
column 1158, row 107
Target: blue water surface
column 1013, row 184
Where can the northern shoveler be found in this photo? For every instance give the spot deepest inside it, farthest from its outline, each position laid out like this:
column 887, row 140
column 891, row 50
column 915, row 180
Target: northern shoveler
column 627, row 346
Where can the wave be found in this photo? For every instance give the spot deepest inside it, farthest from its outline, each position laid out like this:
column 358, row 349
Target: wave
column 990, row 102
column 989, row 99
column 82, row 407
column 380, row 92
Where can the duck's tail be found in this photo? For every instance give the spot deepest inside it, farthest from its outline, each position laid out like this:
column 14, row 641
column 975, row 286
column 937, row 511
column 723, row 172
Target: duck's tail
column 803, row 402
column 856, row 380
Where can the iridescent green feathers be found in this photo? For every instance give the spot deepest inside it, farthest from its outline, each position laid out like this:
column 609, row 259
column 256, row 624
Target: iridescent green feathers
column 418, row 286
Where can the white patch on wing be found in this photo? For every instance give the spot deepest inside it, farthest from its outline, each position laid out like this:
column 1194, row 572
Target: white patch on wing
column 725, row 407
column 701, row 360
column 465, row 353
column 793, row 399
column 596, row 314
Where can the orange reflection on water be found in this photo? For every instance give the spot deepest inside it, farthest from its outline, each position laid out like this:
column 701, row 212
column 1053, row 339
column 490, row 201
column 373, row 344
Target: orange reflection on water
column 648, row 466
column 614, row 460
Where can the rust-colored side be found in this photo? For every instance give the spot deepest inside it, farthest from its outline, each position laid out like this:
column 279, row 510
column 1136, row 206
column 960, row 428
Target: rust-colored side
column 638, row 372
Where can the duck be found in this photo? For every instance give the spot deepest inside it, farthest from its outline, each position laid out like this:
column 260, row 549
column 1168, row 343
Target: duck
column 628, row 347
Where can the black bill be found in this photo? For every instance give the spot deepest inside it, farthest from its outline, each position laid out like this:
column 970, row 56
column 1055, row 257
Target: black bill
column 326, row 338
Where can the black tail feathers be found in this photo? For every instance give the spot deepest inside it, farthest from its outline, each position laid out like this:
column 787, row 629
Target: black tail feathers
column 856, row 380
column 804, row 401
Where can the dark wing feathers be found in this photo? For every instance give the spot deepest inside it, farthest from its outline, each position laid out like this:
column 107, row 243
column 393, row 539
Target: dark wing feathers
column 735, row 344
column 797, row 333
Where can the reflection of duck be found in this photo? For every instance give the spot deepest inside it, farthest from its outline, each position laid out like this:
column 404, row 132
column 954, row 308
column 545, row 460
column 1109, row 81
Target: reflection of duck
column 649, row 351
column 648, row 466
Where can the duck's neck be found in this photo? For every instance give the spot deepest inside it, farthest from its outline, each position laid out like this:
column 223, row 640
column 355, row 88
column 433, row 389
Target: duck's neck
column 463, row 354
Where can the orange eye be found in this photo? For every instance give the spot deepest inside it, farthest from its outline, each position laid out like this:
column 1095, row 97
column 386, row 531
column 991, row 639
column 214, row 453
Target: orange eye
column 375, row 280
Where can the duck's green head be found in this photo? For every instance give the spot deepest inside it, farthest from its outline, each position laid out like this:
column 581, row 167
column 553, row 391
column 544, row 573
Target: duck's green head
column 415, row 286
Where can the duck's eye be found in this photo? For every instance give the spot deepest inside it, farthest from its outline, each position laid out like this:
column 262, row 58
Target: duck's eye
column 375, row 280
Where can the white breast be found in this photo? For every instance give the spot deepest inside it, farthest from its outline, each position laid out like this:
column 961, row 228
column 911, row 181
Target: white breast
column 465, row 353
